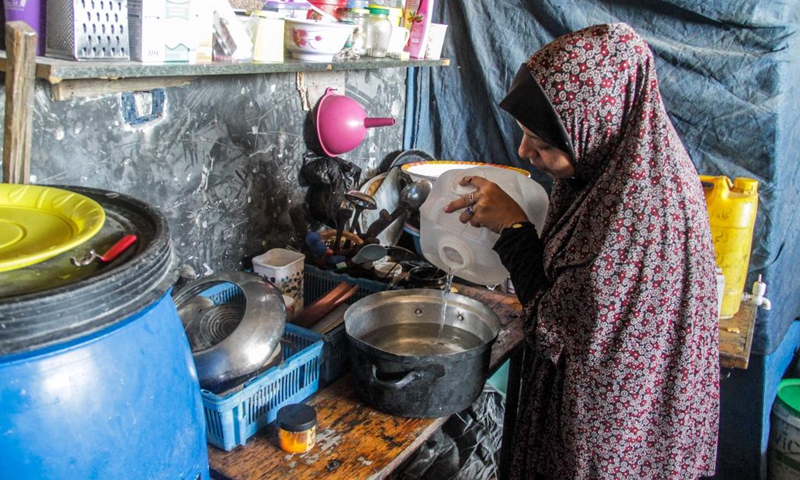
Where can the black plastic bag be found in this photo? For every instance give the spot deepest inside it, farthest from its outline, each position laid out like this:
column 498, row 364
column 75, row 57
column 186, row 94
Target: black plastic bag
column 466, row 447
column 328, row 178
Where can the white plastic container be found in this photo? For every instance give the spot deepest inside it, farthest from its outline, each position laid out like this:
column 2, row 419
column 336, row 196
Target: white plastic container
column 462, row 249
column 285, row 269
column 268, row 28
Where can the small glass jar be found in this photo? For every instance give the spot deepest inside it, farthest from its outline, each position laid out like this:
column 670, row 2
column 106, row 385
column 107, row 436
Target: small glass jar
column 379, row 31
column 297, row 428
column 358, row 39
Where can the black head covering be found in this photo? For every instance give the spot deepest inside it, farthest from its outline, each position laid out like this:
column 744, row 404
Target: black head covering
column 527, row 103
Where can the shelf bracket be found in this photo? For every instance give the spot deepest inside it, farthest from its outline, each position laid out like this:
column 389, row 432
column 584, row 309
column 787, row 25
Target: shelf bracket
column 312, row 86
column 20, row 80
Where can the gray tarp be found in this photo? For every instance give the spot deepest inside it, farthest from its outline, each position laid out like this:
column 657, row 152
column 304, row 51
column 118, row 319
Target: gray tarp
column 730, row 78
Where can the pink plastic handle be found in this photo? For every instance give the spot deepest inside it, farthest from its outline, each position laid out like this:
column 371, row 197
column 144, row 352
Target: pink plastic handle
column 118, row 248
column 378, row 122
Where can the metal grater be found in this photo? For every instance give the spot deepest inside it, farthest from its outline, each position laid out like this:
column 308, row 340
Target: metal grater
column 88, row 29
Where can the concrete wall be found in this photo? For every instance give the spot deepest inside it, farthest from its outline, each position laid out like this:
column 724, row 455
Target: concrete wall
column 222, row 163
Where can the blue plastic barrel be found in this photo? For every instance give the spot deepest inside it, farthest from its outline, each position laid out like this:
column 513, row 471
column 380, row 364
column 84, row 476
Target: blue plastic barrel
column 97, row 379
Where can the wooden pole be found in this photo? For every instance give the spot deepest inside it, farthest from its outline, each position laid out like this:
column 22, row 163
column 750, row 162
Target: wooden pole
column 20, row 80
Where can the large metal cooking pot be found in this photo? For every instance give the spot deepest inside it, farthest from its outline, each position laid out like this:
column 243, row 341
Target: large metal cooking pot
column 406, row 363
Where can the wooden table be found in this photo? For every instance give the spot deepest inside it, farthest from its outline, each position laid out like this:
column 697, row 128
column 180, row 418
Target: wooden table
column 736, row 337
column 355, row 441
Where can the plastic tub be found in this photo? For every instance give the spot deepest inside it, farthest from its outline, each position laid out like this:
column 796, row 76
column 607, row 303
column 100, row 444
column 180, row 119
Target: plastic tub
column 233, row 417
column 784, row 459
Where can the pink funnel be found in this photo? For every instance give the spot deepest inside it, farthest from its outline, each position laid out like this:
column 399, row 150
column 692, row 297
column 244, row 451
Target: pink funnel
column 342, row 123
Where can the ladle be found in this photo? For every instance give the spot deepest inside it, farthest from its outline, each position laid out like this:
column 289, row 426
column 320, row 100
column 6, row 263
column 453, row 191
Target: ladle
column 361, row 201
column 412, row 197
column 369, row 253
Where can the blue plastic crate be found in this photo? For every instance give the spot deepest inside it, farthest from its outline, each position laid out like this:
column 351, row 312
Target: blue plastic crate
column 335, row 356
column 318, row 282
column 232, row 418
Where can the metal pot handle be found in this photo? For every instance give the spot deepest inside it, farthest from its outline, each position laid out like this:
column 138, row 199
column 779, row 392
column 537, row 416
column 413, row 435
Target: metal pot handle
column 434, row 372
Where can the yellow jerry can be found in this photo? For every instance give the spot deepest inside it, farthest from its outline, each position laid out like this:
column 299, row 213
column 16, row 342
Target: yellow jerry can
column 732, row 209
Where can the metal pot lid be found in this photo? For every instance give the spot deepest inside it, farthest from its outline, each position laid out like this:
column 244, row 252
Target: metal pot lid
column 234, row 323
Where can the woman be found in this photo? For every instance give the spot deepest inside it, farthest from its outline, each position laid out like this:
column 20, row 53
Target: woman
column 621, row 363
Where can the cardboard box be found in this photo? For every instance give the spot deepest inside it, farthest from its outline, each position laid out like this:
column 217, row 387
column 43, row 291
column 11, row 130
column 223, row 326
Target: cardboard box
column 180, row 40
column 146, row 30
column 162, row 30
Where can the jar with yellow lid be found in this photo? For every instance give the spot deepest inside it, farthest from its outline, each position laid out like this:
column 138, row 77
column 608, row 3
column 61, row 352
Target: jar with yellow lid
column 297, row 428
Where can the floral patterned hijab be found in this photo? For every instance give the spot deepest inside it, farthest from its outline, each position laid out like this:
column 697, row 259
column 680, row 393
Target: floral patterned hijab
column 636, row 195
column 628, row 317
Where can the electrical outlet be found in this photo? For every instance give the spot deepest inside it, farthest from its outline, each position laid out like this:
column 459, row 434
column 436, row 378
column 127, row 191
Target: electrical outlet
column 139, row 108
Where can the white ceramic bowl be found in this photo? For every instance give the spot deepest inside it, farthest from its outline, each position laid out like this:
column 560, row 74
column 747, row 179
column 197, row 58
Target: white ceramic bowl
column 315, row 41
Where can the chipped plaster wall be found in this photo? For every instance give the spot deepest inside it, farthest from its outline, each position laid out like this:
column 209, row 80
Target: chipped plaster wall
column 222, row 163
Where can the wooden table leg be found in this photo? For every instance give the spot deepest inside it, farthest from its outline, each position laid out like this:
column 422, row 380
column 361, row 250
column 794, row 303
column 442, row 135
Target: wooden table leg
column 20, row 80
column 510, row 417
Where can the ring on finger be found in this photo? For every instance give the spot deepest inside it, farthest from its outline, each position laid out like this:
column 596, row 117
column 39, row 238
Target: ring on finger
column 471, row 198
column 470, row 211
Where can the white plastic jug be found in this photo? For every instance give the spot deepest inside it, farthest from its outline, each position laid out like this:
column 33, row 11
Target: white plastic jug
column 461, row 249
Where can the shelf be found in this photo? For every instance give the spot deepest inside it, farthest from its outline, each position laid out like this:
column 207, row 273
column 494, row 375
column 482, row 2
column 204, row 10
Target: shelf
column 73, row 79
column 56, row 71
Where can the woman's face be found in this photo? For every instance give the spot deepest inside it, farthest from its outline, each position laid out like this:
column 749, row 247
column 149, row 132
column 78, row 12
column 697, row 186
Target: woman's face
column 545, row 157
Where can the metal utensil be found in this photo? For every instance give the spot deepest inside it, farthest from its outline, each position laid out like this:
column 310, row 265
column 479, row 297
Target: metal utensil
column 232, row 341
column 369, row 253
column 360, row 201
column 412, row 197
column 416, row 193
column 342, row 216
column 400, row 254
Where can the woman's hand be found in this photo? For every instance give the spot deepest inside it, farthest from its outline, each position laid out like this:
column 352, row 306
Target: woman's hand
column 488, row 206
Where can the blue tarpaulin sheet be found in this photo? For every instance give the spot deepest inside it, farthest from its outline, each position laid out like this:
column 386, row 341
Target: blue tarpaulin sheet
column 730, row 79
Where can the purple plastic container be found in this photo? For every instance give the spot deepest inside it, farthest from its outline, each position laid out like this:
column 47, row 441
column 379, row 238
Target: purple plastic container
column 31, row 12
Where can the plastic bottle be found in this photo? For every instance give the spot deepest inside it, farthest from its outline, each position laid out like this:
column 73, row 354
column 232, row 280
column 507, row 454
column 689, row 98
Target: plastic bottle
column 418, row 20
column 461, row 249
column 732, row 209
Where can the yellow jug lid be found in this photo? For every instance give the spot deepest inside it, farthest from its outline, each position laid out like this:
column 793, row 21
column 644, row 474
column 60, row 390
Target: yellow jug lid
column 746, row 185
